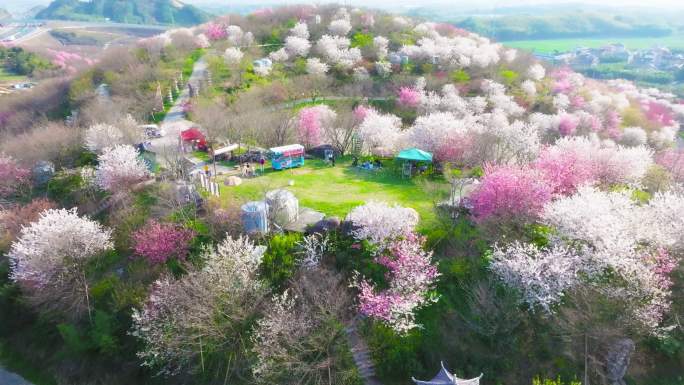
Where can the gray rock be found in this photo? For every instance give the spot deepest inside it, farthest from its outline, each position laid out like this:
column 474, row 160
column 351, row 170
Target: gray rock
column 617, row 361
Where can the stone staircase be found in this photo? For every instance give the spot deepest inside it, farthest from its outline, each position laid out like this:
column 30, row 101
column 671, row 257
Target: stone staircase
column 361, row 354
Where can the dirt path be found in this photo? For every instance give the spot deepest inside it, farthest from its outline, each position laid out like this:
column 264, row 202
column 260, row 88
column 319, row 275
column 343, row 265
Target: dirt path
column 174, row 121
column 361, row 355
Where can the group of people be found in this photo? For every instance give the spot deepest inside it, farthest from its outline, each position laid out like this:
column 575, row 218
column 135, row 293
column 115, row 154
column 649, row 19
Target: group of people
column 367, row 165
column 247, row 170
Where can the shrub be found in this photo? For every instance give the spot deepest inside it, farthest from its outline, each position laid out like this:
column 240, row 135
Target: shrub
column 280, row 260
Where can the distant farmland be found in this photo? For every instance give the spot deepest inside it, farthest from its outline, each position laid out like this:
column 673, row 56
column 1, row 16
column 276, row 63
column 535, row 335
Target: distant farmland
column 561, row 45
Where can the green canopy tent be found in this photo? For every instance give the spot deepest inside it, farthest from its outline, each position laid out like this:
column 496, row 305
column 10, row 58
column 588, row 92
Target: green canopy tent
column 415, row 155
column 411, row 156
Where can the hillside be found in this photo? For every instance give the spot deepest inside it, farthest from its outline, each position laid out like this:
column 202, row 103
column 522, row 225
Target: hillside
column 125, row 11
column 432, row 201
column 4, row 15
column 571, row 25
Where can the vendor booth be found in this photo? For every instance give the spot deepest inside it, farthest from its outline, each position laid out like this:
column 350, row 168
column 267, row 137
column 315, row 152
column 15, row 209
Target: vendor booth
column 195, row 138
column 287, row 156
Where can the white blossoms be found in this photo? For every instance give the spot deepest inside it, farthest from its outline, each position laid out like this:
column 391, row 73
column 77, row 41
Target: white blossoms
column 297, row 46
column 100, row 136
column 378, row 222
column 536, row 72
column 314, row 66
column 233, row 56
column 119, row 167
column 340, row 27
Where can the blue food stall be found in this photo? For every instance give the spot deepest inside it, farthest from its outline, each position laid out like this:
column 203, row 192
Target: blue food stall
column 288, row 156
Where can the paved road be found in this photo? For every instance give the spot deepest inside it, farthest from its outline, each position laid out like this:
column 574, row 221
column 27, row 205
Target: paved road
column 8, row 378
column 174, row 121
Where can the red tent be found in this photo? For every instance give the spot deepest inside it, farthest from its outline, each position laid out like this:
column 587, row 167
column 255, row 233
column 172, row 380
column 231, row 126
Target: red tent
column 196, row 136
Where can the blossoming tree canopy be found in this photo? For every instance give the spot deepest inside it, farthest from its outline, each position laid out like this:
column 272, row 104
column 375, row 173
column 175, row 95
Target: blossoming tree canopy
column 313, row 121
column 381, row 131
column 409, row 97
column 411, row 277
column 101, row 136
column 233, row 56
column 210, row 303
column 508, row 192
column 119, row 168
column 50, row 257
column 13, row 176
column 48, row 247
column 379, row 222
column 158, row 242
column 215, row 31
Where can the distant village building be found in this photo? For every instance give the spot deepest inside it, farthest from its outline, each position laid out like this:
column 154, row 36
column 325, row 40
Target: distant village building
column 655, row 58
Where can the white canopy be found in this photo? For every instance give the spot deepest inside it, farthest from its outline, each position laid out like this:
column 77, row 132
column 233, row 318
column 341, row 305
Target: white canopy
column 444, row 377
column 227, row 149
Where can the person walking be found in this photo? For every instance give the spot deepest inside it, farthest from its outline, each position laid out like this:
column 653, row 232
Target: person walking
column 332, row 158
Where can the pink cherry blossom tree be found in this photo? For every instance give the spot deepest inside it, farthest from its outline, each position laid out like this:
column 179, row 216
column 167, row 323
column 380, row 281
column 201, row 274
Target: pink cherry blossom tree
column 215, row 31
column 411, row 276
column 361, row 112
column 510, row 193
column 658, row 113
column 673, row 161
column 409, row 97
column 567, row 125
column 313, row 122
column 566, row 168
column 13, row 177
column 158, row 242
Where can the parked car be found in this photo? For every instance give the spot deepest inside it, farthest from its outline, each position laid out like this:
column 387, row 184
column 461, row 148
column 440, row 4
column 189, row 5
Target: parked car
column 153, row 131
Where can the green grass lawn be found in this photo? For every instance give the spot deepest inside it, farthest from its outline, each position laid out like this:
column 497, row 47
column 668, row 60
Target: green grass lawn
column 336, row 190
column 549, row 46
column 6, row 77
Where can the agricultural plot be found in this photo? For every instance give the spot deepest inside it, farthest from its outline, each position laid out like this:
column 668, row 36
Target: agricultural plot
column 561, row 45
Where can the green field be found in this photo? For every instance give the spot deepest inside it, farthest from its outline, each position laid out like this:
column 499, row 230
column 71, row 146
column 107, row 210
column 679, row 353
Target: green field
column 561, row 45
column 9, row 78
column 336, row 190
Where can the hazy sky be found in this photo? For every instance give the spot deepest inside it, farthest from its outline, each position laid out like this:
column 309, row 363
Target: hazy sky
column 455, row 3
column 393, row 4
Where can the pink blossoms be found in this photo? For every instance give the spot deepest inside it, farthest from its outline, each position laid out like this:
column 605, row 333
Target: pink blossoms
column 159, row 242
column 411, row 277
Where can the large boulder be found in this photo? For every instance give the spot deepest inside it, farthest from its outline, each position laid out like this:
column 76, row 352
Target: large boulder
column 323, row 226
column 617, row 361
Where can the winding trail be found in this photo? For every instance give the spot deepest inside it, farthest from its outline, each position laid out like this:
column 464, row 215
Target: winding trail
column 361, row 354
column 174, row 121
